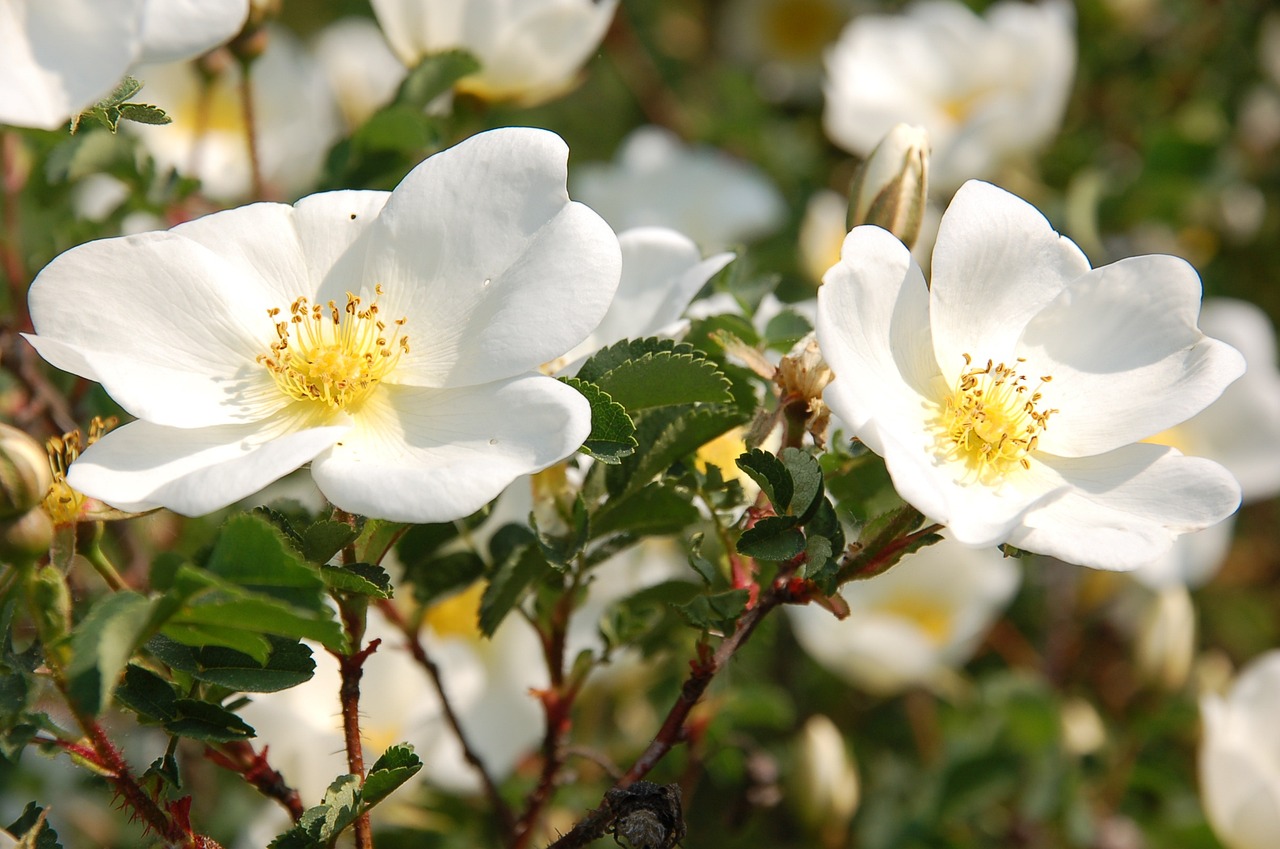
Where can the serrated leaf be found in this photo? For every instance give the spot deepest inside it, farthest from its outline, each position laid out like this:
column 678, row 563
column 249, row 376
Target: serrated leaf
column 433, row 76
column 704, row 567
column 612, row 434
column 508, row 584
column 879, row 536
column 607, row 359
column 102, row 644
column 144, row 113
column 772, row 538
column 715, row 612
column 147, row 694
column 290, row 663
column 125, row 89
column 806, row 479
column 655, row 509
column 770, row 474
column 33, row 830
column 256, row 646
column 668, row 434
column 663, row 379
column 396, row 766
column 358, row 578
column 253, row 554
column 325, row 538
column 207, row 723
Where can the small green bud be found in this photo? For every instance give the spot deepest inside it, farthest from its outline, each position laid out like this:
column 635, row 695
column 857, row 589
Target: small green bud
column 50, row 602
column 892, row 186
column 25, row 475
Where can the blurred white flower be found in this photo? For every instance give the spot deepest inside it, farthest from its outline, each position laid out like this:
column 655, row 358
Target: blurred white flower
column 1008, row 399
column 1240, row 757
column 914, row 624
column 62, row 56
column 985, row 88
column 824, row 786
column 822, row 231
column 1241, row 431
column 295, row 121
column 782, row 42
column 257, row 363
column 362, row 71
column 530, row 51
column 1167, row 638
column 704, row 193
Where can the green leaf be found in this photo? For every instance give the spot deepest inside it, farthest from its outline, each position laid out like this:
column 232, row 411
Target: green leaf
column 444, row 574
column 655, row 509
column 321, row 825
column 396, row 766
column 785, row 329
column 771, row 475
column 715, row 612
column 207, row 722
column 33, row 830
column 619, row 353
column 289, row 664
column 561, row 550
column 147, row 694
column 433, row 76
column 253, row 554
column 377, row 537
column 879, row 547
column 394, row 128
column 806, row 478
column 706, row 570
column 612, row 434
column 668, row 434
column 322, row 540
column 263, row 616
column 359, row 579
column 125, row 89
column 102, row 644
column 665, row 378
column 772, row 538
column 144, row 113
column 508, row 584
column 256, row 646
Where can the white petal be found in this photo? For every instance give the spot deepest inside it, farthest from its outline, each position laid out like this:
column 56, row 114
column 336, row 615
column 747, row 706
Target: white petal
column 170, row 328
column 996, row 264
column 873, row 328
column 1126, row 357
column 194, row 471
column 661, row 272
column 435, row 455
column 1124, row 508
column 496, row 270
column 180, row 29
column 60, row 56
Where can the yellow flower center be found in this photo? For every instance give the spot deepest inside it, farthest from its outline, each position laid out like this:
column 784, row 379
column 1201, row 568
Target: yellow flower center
column 797, row 30
column 61, row 502
column 991, row 420
column 334, row 356
column 929, row 615
column 458, row 615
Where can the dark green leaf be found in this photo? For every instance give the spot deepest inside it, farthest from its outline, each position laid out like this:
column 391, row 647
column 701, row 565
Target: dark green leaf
column 665, row 378
column 668, row 434
column 33, row 830
column 612, row 431
column 806, row 478
column 263, row 616
column 144, row 113
column 289, row 664
column 560, row 551
column 252, row 553
column 704, row 567
column 321, row 825
column 102, row 644
column 607, row 359
column 359, row 579
column 147, row 694
column 433, row 76
column 879, row 545
column 322, row 540
column 256, row 646
column 207, row 722
column 715, row 612
column 396, row 766
column 444, row 574
column 772, row 538
column 508, row 585
column 771, row 475
column 655, row 509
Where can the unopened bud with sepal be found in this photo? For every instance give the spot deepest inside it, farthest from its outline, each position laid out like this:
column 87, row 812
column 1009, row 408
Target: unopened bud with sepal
column 891, row 188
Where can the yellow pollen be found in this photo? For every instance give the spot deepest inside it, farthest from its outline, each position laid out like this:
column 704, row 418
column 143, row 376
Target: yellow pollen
column 991, row 420
column 931, row 616
column 333, row 355
column 61, row 502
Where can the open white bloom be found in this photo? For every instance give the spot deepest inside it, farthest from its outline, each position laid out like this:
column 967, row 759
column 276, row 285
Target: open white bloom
column 530, row 51
column 61, row 56
column 362, row 71
column 1240, row 757
column 1009, row 399
column 915, row 623
column 1241, row 430
column 386, row 338
column 985, row 88
column 704, row 193
column 296, row 119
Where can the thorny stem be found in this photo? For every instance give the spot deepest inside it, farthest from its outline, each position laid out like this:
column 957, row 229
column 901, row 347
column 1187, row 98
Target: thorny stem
column 351, row 669
column 506, row 820
column 240, row 757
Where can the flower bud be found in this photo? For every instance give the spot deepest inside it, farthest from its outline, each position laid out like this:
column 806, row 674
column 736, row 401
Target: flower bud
column 50, row 602
column 26, row 538
column 1167, row 638
column 25, row 475
column 891, row 186
column 824, row 786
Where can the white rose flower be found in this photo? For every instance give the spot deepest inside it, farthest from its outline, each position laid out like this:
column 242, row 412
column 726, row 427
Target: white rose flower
column 530, row 51
column 1009, row 399
column 62, row 56
column 362, row 71
column 296, row 119
column 913, row 624
column 985, row 88
column 1241, row 430
column 704, row 193
column 1240, row 757
column 386, row 338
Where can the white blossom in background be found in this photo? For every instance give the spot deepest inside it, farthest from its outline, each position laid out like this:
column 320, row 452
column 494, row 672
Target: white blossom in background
column 529, row 51
column 657, row 180
column 295, row 115
column 1009, row 399
column 986, row 88
column 362, row 71
column 1240, row 757
column 382, row 337
column 782, row 42
column 822, row 232
column 1241, row 431
column 914, row 624
column 62, row 56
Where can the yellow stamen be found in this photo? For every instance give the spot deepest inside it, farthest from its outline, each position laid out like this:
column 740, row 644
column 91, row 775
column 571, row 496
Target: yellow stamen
column 333, row 355
column 991, row 420
column 61, row 502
